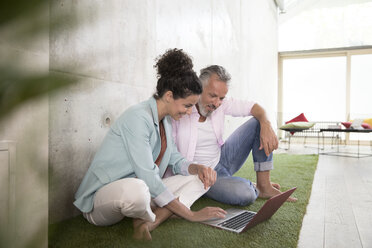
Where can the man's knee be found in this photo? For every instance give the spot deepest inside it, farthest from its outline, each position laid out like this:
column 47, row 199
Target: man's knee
column 251, row 125
column 234, row 191
column 255, row 124
column 245, row 195
column 254, row 121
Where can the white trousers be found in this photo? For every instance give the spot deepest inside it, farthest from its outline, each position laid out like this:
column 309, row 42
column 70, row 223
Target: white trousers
column 131, row 197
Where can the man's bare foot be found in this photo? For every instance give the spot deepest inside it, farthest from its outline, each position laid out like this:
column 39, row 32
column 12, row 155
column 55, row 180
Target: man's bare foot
column 141, row 230
column 275, row 185
column 273, row 191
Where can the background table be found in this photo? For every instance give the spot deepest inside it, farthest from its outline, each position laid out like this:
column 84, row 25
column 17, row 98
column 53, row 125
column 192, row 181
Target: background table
column 345, row 154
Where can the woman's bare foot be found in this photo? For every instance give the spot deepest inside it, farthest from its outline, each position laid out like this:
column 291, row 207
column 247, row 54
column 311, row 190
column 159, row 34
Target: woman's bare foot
column 141, row 230
column 174, row 216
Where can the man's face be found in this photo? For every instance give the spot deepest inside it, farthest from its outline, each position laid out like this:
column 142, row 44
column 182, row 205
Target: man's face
column 213, row 94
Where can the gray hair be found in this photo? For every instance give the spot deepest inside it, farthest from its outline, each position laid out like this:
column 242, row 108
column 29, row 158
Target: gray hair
column 221, row 73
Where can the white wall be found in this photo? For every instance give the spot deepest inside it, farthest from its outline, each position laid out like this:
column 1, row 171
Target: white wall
column 254, row 67
column 110, row 47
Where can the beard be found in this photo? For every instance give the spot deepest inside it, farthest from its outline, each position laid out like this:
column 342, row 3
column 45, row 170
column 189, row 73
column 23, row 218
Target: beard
column 203, row 111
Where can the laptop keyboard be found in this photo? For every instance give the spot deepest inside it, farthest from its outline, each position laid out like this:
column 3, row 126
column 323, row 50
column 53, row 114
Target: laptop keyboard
column 238, row 221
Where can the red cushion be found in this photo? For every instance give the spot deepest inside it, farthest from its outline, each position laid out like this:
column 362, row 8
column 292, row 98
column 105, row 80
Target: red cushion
column 366, row 126
column 301, row 117
column 346, row 124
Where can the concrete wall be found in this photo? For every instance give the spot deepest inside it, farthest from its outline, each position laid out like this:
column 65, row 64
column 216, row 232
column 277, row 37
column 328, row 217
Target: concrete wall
column 110, row 47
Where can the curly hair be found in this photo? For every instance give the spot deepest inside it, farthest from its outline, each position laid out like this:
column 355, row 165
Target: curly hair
column 175, row 73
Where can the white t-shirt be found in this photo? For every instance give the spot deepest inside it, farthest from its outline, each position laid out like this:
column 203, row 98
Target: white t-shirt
column 207, row 151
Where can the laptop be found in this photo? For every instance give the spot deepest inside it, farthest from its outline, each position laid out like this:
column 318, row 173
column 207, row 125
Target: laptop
column 239, row 220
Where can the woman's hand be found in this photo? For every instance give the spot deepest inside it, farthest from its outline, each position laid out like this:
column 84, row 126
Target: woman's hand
column 207, row 213
column 207, row 175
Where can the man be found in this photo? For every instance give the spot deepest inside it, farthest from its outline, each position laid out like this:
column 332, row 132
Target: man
column 198, row 137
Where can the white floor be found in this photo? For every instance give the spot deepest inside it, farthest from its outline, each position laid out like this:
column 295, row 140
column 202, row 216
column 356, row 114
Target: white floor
column 339, row 213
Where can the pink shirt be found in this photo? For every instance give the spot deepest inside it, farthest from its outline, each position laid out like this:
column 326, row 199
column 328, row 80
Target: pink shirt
column 185, row 130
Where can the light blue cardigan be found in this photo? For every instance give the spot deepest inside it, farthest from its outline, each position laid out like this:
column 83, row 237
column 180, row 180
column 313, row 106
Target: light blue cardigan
column 130, row 149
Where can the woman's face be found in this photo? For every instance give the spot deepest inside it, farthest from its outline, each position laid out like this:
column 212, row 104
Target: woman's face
column 182, row 106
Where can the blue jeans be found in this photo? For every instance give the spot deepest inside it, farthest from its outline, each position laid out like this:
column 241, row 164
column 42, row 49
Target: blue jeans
column 234, row 153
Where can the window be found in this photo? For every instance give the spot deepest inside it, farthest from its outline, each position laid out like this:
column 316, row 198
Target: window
column 361, row 90
column 326, row 86
column 361, row 86
column 315, row 87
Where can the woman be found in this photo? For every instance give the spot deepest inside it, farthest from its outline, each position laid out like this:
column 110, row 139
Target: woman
column 126, row 173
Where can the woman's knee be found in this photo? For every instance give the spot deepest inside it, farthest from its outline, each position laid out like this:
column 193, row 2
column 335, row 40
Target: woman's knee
column 124, row 195
column 191, row 191
column 136, row 195
column 127, row 197
column 136, row 201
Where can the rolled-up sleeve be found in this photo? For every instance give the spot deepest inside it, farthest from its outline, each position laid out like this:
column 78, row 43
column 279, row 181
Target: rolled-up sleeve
column 136, row 133
column 164, row 198
column 180, row 165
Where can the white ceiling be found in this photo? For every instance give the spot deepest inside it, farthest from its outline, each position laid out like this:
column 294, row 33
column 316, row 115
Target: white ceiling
column 296, row 7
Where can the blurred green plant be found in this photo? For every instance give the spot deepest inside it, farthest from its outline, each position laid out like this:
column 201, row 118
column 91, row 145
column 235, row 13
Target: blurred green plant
column 25, row 21
column 23, row 24
column 15, row 89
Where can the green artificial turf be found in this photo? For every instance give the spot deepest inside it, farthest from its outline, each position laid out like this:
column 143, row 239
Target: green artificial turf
column 282, row 230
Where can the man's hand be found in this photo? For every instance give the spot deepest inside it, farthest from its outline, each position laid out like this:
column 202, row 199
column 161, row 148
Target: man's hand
column 268, row 140
column 207, row 175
